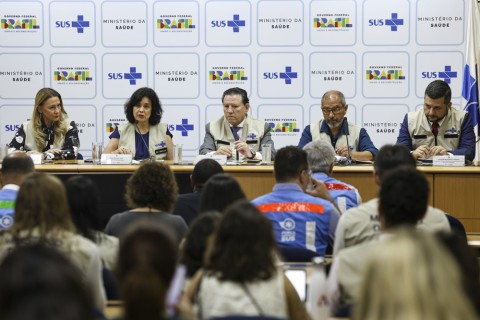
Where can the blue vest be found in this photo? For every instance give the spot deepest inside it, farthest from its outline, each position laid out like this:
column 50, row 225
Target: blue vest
column 7, row 207
column 344, row 195
column 299, row 220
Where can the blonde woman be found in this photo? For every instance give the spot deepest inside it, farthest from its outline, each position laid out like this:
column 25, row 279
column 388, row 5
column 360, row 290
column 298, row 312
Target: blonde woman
column 49, row 131
column 412, row 277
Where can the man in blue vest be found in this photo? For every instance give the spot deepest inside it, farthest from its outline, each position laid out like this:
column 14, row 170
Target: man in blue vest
column 301, row 218
column 321, row 158
column 15, row 167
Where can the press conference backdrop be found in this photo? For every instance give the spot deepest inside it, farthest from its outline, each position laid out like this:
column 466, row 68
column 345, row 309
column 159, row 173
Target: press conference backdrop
column 286, row 54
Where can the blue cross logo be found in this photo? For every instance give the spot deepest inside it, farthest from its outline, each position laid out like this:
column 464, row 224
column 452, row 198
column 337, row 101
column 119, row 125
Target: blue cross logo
column 133, row 76
column 236, row 23
column 394, row 22
column 163, row 144
column 184, row 127
column 288, row 75
column 80, row 24
column 448, row 74
column 252, row 136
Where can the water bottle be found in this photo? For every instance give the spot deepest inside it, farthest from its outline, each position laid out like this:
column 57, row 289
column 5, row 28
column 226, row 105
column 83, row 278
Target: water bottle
column 317, row 304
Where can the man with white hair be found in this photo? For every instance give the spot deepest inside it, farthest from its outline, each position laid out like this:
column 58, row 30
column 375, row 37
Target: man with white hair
column 321, row 159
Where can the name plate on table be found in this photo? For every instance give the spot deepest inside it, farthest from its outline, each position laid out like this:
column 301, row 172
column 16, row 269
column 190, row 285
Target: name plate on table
column 449, row 161
column 221, row 159
column 116, row 159
column 36, row 158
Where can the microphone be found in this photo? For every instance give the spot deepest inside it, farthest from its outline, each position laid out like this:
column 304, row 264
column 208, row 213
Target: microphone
column 350, row 161
column 150, row 157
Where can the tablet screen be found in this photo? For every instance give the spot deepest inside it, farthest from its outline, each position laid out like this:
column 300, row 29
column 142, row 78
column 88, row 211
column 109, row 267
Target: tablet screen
column 298, row 278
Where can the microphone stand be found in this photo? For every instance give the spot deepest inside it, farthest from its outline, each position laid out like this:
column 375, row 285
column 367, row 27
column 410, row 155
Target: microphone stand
column 350, row 161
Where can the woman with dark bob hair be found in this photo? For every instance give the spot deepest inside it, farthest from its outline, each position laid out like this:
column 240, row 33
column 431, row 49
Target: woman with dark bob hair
column 37, row 281
column 146, row 266
column 49, row 130
column 240, row 276
column 220, row 191
column 42, row 216
column 143, row 136
column 151, row 193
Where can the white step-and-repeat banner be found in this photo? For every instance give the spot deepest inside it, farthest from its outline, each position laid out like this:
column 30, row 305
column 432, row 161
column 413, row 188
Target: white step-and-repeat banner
column 286, row 54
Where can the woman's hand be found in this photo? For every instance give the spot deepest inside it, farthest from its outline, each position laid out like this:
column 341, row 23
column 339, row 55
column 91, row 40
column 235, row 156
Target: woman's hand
column 122, row 150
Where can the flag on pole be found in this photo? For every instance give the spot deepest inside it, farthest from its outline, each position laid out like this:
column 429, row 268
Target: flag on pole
column 470, row 91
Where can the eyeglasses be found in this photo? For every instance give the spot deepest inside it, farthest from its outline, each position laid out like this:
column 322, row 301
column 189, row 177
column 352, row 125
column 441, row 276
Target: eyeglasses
column 335, row 110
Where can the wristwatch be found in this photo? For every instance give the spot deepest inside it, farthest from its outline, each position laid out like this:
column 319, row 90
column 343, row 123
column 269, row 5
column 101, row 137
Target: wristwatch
column 253, row 154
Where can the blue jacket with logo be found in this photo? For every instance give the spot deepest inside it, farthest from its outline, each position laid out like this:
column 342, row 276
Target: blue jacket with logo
column 299, row 220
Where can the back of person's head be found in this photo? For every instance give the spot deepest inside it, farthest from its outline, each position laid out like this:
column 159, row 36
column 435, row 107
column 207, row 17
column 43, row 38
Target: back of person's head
column 203, row 170
column 411, row 276
column 83, row 198
column 438, row 89
column 289, row 163
column 146, row 265
column 38, row 282
column 390, row 157
column 15, row 166
column 320, row 155
column 467, row 261
column 42, row 204
column 220, row 191
column 18, row 163
column 196, row 240
column 243, row 246
column 153, row 185
column 403, row 197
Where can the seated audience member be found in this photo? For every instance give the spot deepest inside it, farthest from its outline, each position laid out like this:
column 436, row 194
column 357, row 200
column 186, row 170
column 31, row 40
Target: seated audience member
column 38, row 282
column 236, row 134
column 301, row 218
column 430, row 285
column 438, row 129
column 146, row 267
column 362, row 223
column 467, row 261
column 240, row 277
column 220, row 191
column 15, row 167
column 49, row 131
column 321, row 159
column 187, row 204
column 42, row 215
column 348, row 139
column 193, row 248
column 83, row 198
column 143, row 135
column 150, row 192
column 403, row 202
